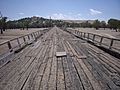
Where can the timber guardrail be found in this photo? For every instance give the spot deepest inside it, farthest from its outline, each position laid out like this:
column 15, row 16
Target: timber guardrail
column 103, row 41
column 12, row 45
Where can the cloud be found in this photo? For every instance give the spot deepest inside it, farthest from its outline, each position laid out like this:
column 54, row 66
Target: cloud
column 79, row 14
column 95, row 12
column 37, row 15
column 68, row 16
column 58, row 16
column 21, row 13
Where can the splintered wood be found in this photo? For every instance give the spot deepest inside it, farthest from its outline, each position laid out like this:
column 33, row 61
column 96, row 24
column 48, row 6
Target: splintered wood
column 61, row 61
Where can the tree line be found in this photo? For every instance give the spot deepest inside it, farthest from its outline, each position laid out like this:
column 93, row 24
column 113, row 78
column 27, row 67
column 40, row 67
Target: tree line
column 39, row 22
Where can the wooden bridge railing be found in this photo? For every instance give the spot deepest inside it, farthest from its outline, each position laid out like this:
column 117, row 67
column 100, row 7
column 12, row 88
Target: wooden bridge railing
column 106, row 42
column 14, row 44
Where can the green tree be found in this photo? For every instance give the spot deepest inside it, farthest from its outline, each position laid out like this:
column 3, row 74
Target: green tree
column 3, row 22
column 86, row 24
column 114, row 24
column 26, row 23
column 103, row 24
column 96, row 24
column 1, row 26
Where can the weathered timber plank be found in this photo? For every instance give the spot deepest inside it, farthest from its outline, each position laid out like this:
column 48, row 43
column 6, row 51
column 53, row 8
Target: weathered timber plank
column 36, row 80
column 20, row 71
column 6, row 69
column 93, row 81
column 45, row 79
column 52, row 79
column 70, row 85
column 34, row 51
column 84, row 79
column 41, row 70
column 29, row 83
column 60, row 75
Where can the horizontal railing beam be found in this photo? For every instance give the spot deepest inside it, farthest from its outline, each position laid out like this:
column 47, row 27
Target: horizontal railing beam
column 93, row 38
column 25, row 39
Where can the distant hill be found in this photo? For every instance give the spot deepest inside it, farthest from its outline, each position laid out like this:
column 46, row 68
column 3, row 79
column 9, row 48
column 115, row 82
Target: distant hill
column 33, row 22
column 38, row 22
column 79, row 21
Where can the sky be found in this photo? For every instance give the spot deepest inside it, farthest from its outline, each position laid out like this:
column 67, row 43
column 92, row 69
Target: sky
column 61, row 9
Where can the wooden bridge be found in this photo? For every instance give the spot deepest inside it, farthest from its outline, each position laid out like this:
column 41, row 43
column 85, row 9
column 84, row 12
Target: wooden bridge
column 84, row 67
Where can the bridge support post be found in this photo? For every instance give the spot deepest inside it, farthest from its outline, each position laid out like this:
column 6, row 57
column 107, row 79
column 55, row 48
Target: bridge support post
column 28, row 37
column 18, row 43
column 111, row 44
column 88, row 37
column 24, row 40
column 9, row 46
column 101, row 41
column 93, row 38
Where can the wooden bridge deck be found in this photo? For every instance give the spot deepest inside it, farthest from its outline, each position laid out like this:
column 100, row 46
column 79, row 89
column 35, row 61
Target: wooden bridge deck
column 84, row 68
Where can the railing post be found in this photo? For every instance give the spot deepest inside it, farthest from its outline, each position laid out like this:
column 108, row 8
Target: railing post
column 35, row 36
column 39, row 33
column 110, row 47
column 84, row 35
column 93, row 37
column 88, row 37
column 32, row 36
column 28, row 37
column 81, row 34
column 18, row 42
column 101, row 41
column 75, row 31
column 24, row 40
column 9, row 46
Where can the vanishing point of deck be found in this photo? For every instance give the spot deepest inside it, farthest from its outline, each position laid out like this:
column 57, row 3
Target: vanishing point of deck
column 84, row 68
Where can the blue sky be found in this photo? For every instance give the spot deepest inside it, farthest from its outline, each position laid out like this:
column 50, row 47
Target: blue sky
column 61, row 9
